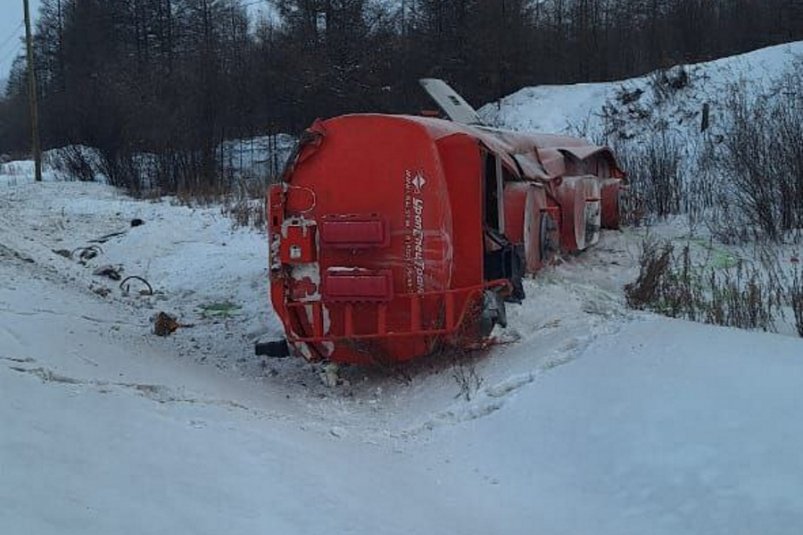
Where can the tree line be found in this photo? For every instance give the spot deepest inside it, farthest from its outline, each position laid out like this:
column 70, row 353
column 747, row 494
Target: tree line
column 174, row 77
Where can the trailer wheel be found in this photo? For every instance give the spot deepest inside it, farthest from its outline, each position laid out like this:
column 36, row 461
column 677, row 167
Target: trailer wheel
column 625, row 206
column 549, row 239
column 615, row 203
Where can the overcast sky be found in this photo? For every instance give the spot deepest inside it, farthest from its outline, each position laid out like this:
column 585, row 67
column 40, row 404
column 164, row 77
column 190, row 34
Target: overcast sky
column 10, row 19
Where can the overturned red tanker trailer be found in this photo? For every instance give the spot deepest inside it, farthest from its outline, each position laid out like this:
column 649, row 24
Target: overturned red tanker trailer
column 392, row 237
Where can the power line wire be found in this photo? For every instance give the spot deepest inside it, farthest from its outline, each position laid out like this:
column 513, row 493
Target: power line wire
column 11, row 36
column 13, row 51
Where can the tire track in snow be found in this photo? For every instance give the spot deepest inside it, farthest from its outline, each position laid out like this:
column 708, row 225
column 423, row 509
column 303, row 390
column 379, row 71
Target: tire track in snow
column 7, row 334
column 159, row 393
column 602, row 316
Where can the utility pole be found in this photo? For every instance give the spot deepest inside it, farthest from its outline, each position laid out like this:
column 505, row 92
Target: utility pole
column 34, row 108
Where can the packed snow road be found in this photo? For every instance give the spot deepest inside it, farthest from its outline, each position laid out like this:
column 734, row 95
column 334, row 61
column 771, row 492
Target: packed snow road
column 591, row 420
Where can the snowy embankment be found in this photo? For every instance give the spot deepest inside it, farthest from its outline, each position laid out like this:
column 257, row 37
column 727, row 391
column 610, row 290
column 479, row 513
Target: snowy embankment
column 669, row 101
column 590, row 418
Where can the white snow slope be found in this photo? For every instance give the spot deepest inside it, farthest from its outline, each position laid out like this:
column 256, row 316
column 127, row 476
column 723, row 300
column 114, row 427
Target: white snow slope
column 601, row 110
column 591, row 418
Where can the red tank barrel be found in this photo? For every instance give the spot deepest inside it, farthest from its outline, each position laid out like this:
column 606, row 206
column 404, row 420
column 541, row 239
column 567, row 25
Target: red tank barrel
column 395, row 236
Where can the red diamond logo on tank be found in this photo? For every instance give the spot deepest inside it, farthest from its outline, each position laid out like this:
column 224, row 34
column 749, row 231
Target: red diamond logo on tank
column 419, row 182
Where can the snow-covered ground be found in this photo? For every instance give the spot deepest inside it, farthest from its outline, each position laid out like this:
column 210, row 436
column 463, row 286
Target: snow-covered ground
column 588, row 417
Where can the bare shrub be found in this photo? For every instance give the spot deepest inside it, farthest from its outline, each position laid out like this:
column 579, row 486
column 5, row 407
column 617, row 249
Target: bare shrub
column 796, row 299
column 122, row 169
column 657, row 189
column 654, row 264
column 466, row 377
column 76, row 162
column 763, row 158
column 670, row 283
column 744, row 298
column 667, row 282
column 666, row 82
column 190, row 174
column 246, row 204
column 703, row 183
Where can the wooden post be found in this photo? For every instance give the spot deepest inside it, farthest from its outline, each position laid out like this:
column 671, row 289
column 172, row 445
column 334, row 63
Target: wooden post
column 706, row 117
column 34, row 109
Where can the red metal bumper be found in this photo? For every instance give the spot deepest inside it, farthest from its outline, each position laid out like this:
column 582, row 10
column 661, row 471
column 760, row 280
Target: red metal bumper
column 451, row 320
